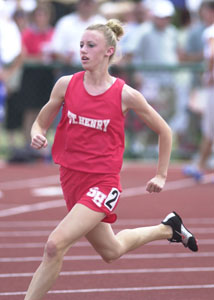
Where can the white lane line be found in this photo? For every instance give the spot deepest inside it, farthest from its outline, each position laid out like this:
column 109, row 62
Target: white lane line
column 127, row 289
column 129, row 192
column 53, row 179
column 193, row 221
column 120, row 222
column 34, row 233
column 37, row 182
column 37, row 245
column 24, row 233
column 28, row 224
column 170, row 185
column 29, row 183
column 126, row 256
column 32, row 207
column 21, row 245
column 87, row 244
column 118, row 271
column 47, row 191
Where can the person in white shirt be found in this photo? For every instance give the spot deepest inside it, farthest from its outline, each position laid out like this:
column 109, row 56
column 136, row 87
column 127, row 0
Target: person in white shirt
column 10, row 43
column 69, row 28
column 10, row 48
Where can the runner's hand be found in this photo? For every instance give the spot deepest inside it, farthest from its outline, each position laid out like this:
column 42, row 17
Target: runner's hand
column 156, row 184
column 39, row 141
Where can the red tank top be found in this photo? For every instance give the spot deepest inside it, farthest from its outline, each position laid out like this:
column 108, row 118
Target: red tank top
column 90, row 135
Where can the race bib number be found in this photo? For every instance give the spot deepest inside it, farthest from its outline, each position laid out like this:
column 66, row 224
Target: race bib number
column 112, row 199
column 99, row 198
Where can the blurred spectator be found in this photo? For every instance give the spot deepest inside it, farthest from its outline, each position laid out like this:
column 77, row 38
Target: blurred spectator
column 136, row 18
column 38, row 78
column 120, row 10
column 9, row 56
column 10, row 33
column 70, row 27
column 14, row 111
column 180, row 120
column 192, row 51
column 61, row 8
column 26, row 5
column 196, row 171
column 20, row 17
column 38, row 35
column 157, row 46
column 161, row 35
column 135, row 23
column 184, row 26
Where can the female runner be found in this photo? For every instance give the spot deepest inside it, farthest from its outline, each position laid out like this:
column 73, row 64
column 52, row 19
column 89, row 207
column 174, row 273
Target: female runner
column 88, row 146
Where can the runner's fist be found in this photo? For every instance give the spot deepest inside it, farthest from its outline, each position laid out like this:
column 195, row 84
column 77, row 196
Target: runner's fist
column 39, row 141
column 156, row 184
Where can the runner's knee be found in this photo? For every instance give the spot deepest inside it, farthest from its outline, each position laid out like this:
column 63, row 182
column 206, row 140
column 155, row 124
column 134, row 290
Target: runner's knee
column 51, row 249
column 110, row 256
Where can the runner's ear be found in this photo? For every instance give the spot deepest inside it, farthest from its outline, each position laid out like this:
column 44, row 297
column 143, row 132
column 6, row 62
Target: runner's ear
column 110, row 51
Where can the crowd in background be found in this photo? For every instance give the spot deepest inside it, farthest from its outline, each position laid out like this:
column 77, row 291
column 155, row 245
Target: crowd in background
column 39, row 41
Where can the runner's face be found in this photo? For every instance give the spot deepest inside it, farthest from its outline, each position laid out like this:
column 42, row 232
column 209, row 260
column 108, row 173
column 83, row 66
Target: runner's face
column 93, row 49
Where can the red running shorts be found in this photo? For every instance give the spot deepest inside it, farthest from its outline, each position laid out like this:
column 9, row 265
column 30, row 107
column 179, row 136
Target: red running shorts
column 99, row 192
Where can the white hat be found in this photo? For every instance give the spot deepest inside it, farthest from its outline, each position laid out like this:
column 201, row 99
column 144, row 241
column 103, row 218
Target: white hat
column 193, row 5
column 163, row 9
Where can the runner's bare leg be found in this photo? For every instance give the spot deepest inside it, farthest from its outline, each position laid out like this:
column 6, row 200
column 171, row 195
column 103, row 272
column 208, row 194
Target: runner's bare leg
column 111, row 246
column 76, row 224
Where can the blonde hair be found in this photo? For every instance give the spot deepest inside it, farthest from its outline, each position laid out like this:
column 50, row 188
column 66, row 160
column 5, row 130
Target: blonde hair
column 112, row 31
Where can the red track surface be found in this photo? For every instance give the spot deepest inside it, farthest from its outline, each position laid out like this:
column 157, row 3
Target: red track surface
column 153, row 272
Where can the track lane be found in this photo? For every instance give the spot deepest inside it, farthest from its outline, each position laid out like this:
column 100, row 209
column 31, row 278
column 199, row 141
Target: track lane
column 154, row 277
